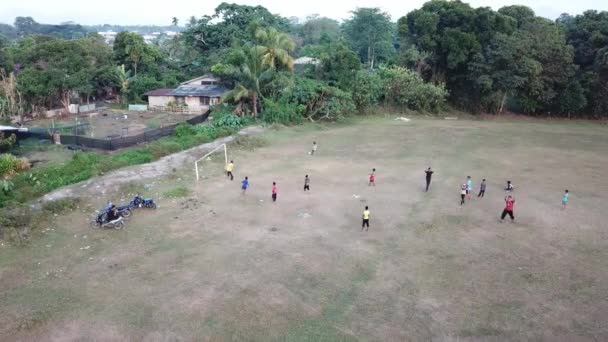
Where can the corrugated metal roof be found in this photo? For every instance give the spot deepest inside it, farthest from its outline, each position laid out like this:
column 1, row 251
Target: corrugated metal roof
column 199, row 90
column 159, row 92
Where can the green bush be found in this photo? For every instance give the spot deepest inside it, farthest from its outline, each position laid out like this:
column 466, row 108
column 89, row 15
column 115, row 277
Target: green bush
column 281, row 112
column 184, row 130
column 367, row 89
column 228, row 121
column 405, row 88
column 6, row 143
column 10, row 165
column 61, row 205
column 318, row 101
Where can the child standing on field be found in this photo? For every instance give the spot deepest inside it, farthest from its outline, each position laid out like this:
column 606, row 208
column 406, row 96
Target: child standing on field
column 509, row 186
column 245, row 184
column 565, row 199
column 274, row 191
column 229, row 169
column 469, row 187
column 365, row 223
column 509, row 204
column 482, row 188
column 463, row 193
column 306, row 183
column 429, row 174
column 372, row 178
column 314, row 148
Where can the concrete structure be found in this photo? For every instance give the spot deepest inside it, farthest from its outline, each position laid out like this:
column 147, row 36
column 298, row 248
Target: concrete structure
column 193, row 96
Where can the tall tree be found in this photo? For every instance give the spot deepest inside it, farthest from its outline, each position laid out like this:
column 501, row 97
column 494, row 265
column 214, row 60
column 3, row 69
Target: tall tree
column 588, row 34
column 316, row 27
column 248, row 68
column 276, row 48
column 130, row 49
column 370, row 32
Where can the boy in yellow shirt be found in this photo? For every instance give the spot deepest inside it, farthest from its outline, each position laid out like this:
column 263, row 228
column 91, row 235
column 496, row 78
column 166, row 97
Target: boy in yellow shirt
column 365, row 219
column 229, row 168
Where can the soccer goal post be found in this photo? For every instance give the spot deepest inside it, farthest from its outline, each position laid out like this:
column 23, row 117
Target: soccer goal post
column 196, row 163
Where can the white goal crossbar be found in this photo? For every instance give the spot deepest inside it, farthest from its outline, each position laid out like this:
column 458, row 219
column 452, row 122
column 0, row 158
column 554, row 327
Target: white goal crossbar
column 206, row 155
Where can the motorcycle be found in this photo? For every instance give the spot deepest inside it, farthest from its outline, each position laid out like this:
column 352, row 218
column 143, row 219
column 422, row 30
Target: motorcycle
column 101, row 221
column 141, row 202
column 123, row 210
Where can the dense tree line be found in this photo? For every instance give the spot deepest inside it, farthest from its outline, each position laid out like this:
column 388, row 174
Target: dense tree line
column 477, row 59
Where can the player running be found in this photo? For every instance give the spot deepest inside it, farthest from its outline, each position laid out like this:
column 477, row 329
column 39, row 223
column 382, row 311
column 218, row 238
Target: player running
column 274, row 191
column 372, row 178
column 565, row 199
column 245, row 184
column 469, row 187
column 229, row 168
column 306, row 183
column 314, row 148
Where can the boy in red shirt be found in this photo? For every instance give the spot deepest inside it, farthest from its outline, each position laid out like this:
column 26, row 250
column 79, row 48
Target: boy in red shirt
column 372, row 178
column 509, row 203
column 274, row 191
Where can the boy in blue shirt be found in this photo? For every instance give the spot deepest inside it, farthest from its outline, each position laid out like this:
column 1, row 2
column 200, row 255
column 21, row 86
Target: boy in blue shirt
column 565, row 199
column 245, row 184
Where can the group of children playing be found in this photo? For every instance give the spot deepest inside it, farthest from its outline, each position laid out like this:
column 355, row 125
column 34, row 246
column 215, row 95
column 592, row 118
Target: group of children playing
column 466, row 190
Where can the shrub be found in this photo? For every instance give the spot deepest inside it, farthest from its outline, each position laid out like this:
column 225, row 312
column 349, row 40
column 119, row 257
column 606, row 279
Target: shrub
column 228, row 121
column 366, row 90
column 281, row 112
column 183, row 130
column 61, row 205
column 10, row 165
column 405, row 88
column 316, row 100
column 6, row 143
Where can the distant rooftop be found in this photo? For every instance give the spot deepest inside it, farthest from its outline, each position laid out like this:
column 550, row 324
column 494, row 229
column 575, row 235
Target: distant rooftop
column 190, row 90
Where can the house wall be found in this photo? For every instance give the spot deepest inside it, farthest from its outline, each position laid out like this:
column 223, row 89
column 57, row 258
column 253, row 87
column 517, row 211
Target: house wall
column 154, row 101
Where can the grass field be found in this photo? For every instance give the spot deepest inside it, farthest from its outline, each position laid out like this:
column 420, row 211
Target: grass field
column 211, row 264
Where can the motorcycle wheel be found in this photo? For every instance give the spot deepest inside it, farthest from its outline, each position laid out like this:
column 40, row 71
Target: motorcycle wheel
column 152, row 206
column 94, row 224
column 126, row 213
column 119, row 225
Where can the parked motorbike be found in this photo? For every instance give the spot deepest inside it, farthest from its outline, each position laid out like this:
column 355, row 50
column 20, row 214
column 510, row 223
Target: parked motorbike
column 101, row 221
column 117, row 224
column 141, row 202
column 124, row 210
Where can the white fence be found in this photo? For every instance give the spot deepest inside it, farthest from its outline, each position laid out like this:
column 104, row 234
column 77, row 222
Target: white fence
column 138, row 108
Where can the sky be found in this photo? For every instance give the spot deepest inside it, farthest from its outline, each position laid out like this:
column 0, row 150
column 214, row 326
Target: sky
column 160, row 12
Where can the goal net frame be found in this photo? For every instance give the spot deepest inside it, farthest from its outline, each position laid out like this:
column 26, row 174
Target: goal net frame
column 196, row 167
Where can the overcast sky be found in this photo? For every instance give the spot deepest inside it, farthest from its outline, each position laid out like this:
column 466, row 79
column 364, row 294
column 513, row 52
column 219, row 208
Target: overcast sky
column 160, row 12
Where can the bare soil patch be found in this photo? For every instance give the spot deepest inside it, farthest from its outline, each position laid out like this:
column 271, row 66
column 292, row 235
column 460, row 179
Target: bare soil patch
column 217, row 265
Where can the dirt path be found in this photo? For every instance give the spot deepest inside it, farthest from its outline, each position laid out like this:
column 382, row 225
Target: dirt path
column 141, row 173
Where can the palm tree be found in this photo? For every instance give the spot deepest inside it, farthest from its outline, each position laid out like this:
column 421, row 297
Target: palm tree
column 174, row 21
column 123, row 78
column 276, row 46
column 250, row 71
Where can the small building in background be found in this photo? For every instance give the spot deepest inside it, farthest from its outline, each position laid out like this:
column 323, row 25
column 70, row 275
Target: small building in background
column 193, row 96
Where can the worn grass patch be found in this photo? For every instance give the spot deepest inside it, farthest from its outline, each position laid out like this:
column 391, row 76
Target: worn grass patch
column 178, row 192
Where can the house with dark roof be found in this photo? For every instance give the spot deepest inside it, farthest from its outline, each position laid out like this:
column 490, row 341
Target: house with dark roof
column 195, row 95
